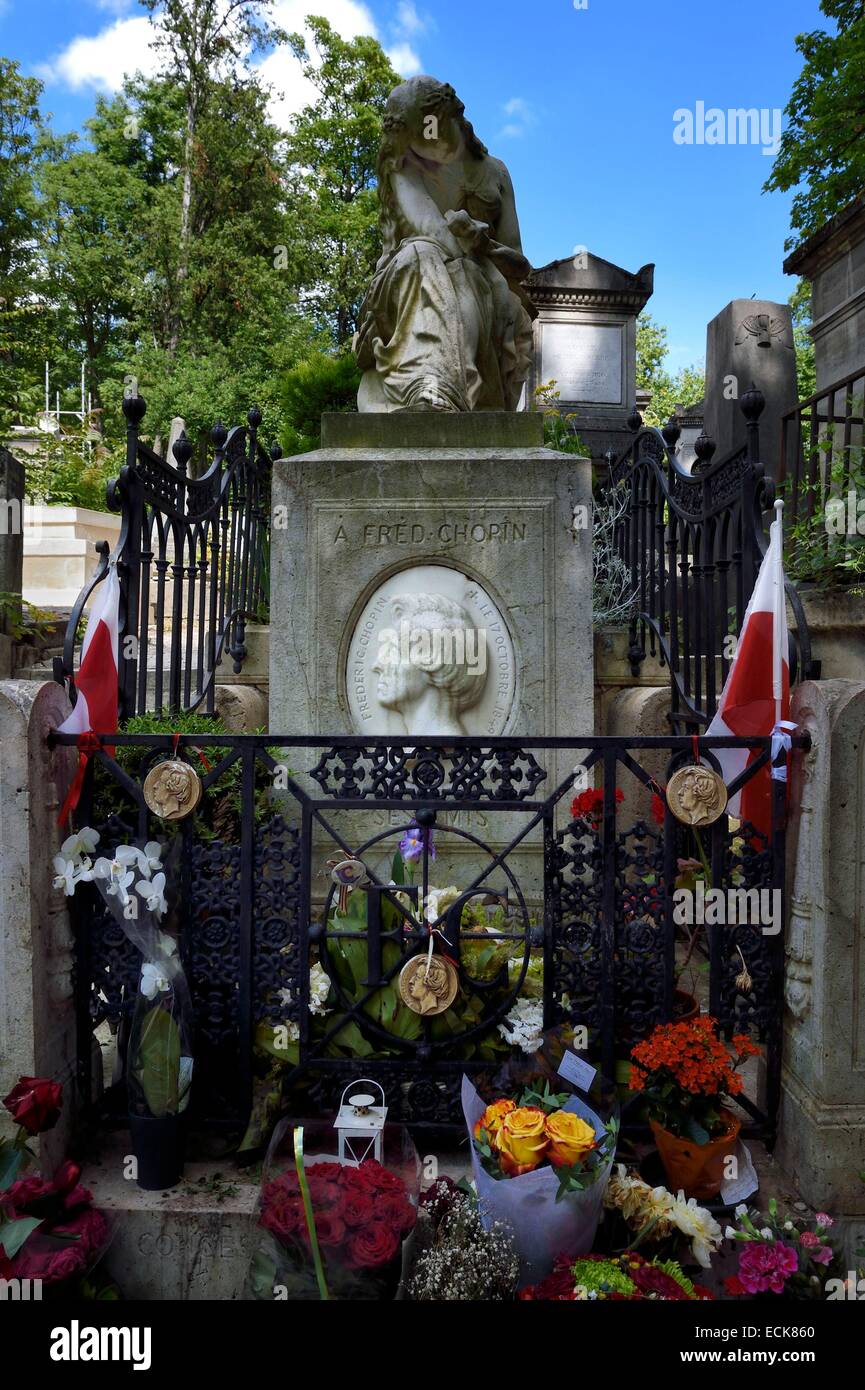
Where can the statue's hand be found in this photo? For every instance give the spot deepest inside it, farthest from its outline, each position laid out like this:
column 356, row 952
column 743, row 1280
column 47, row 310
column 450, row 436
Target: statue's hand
column 471, row 233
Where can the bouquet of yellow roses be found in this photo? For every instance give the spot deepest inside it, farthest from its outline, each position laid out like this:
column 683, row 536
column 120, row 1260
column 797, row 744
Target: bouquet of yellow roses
column 540, row 1160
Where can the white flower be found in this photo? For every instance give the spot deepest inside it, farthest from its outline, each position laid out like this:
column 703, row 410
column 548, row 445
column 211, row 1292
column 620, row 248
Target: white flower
column 117, row 875
column 766, row 1233
column 523, row 1027
column 319, row 988
column 730, row 1232
column 700, row 1225
column 438, row 900
column 741, row 1210
column 285, row 997
column 292, row 1031
column 150, row 858
column 153, row 980
column 788, row 1226
column 81, row 844
column 152, row 891
column 64, row 874
column 167, row 944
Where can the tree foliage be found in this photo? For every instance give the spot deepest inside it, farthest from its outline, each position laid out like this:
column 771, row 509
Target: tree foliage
column 822, row 150
column 332, row 150
column 685, row 387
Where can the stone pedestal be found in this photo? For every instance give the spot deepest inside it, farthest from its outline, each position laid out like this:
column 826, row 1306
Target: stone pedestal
column 822, row 1127
column 482, row 516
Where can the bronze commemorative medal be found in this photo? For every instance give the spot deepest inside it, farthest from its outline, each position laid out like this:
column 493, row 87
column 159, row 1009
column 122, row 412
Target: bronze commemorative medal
column 428, row 984
column 172, row 789
column 696, row 795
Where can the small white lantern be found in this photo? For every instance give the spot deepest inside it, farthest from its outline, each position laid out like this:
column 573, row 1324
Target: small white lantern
column 360, row 1122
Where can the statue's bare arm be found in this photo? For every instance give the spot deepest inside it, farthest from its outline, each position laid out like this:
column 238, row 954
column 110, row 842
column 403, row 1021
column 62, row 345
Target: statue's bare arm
column 418, row 211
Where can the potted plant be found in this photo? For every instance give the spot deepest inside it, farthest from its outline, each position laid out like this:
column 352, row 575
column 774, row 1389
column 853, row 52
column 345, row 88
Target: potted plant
column 685, row 1071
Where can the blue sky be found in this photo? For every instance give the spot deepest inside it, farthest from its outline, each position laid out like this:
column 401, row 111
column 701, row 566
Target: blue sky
column 579, row 102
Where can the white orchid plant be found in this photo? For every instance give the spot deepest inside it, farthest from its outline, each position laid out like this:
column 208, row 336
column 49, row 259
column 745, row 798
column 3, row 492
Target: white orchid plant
column 132, row 882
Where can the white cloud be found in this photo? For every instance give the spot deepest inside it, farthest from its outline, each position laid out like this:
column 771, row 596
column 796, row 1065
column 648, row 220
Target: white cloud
column 522, row 118
column 408, row 19
column 100, row 62
column 404, row 59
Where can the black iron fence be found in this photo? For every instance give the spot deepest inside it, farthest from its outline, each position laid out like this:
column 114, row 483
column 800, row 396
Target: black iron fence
column 193, row 565
column 822, row 442
column 693, row 543
column 567, row 902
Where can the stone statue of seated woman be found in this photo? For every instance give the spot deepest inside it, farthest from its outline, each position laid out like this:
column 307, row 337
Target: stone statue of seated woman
column 446, row 323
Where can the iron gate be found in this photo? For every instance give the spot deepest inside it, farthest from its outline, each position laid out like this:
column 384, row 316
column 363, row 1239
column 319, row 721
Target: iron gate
column 584, row 880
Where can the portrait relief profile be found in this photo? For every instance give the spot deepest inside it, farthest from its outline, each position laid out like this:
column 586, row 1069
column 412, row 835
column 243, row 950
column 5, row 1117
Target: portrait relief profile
column 430, row 654
column 446, row 323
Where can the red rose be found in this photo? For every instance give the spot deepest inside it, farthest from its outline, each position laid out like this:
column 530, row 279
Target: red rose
column 330, row 1229
column 374, row 1178
column 324, row 1172
column 371, row 1246
column 325, row 1195
column 357, row 1208
column 66, row 1177
column 734, row 1286
column 283, row 1214
column 396, row 1210
column 34, row 1103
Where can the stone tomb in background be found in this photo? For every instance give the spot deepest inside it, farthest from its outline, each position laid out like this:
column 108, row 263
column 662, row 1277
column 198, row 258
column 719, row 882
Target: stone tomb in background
column 466, row 516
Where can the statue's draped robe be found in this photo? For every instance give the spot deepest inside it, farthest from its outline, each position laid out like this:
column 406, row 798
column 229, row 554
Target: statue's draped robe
column 448, row 332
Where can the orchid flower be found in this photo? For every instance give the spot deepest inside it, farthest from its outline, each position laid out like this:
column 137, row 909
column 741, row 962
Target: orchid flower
column 153, row 980
column 152, row 890
column 80, row 845
column 150, row 858
column 65, row 876
column 117, row 873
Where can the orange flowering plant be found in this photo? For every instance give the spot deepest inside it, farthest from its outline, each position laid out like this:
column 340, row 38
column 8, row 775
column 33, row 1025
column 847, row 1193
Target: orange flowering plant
column 685, row 1071
column 513, row 1137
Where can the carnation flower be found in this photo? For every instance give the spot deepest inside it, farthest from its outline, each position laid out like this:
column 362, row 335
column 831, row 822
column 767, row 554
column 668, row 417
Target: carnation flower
column 766, row 1267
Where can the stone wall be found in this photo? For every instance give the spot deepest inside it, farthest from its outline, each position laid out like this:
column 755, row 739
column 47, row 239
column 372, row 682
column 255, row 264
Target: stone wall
column 37, row 1025
column 822, row 1127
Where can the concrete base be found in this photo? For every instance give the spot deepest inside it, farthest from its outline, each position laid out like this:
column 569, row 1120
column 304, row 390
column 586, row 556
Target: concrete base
column 193, row 1242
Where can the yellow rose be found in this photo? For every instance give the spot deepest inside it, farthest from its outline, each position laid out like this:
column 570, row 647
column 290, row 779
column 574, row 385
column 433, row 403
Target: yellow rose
column 571, row 1139
column 522, row 1141
column 491, row 1119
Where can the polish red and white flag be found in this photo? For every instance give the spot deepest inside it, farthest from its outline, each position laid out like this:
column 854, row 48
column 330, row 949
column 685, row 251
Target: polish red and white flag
column 756, row 694
column 96, row 681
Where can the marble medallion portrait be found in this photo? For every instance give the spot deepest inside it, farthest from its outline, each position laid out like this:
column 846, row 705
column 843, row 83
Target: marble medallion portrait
column 430, row 654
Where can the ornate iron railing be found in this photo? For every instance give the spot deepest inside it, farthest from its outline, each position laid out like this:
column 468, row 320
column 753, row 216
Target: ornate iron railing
column 822, row 443
column 693, row 542
column 588, row 897
column 193, row 564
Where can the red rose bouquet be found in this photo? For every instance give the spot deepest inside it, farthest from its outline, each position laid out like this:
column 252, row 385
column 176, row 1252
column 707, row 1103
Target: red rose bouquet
column 68, row 1235
column 334, row 1228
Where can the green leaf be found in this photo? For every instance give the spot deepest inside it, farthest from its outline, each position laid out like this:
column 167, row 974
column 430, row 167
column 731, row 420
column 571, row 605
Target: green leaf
column 14, row 1233
column 10, row 1162
column 157, row 1062
column 694, row 1130
column 397, row 868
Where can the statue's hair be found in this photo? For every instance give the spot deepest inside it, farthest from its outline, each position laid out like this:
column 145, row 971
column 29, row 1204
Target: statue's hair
column 437, row 612
column 418, row 97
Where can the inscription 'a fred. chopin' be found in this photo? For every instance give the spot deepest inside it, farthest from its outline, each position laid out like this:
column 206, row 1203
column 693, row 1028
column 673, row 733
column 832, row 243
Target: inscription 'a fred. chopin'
column 400, row 532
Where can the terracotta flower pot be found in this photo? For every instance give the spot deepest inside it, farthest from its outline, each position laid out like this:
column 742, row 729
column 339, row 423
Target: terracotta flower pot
column 696, row 1169
column 685, row 1006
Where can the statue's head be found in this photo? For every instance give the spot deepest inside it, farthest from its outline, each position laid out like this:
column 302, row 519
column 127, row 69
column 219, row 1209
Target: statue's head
column 432, row 643
column 427, row 117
